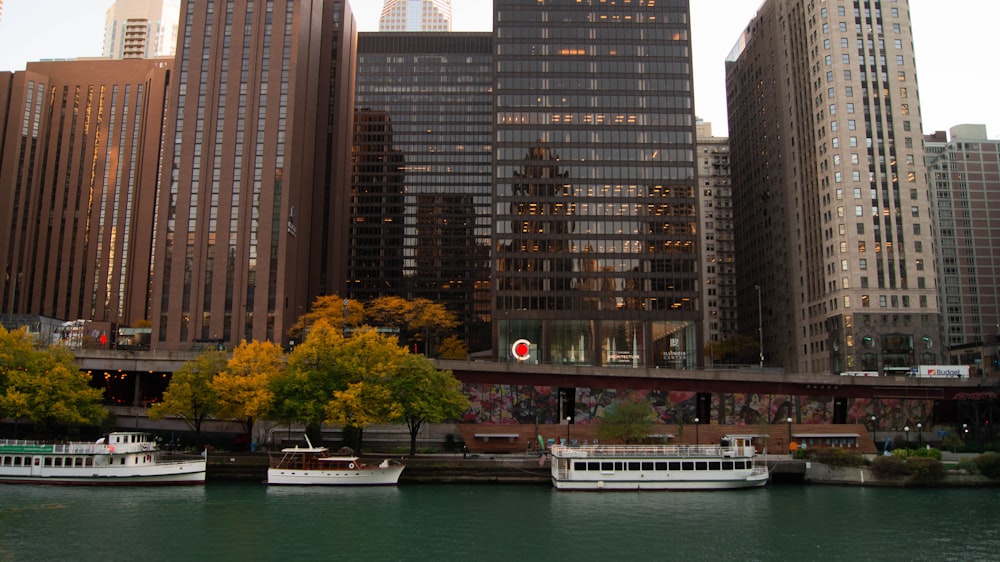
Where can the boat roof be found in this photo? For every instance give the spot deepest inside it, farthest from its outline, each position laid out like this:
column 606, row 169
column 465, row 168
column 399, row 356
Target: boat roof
column 298, row 449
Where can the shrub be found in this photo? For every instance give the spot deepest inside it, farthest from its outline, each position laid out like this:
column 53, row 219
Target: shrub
column 925, row 470
column 988, row 464
column 952, row 442
column 838, row 457
column 968, row 465
column 889, row 466
column 925, row 452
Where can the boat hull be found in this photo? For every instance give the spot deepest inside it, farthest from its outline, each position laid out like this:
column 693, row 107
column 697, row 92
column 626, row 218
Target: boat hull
column 626, row 482
column 165, row 474
column 376, row 476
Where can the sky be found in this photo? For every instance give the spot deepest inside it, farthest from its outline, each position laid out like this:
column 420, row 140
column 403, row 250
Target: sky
column 952, row 40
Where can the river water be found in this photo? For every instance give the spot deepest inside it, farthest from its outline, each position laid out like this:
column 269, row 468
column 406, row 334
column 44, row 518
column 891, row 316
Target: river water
column 237, row 521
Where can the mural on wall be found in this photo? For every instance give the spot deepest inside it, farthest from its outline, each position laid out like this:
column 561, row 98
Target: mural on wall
column 514, row 404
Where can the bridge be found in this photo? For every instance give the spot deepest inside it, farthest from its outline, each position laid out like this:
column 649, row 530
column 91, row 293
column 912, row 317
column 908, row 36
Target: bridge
column 749, row 380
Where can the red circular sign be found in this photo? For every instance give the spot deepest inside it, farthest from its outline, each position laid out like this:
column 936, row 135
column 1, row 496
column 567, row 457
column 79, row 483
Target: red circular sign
column 521, row 349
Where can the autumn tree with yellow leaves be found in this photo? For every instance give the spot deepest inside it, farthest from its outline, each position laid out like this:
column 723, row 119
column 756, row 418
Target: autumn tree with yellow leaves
column 244, row 389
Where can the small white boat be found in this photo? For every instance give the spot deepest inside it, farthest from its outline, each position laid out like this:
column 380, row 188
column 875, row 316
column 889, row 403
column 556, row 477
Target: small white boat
column 315, row 466
column 730, row 464
column 118, row 459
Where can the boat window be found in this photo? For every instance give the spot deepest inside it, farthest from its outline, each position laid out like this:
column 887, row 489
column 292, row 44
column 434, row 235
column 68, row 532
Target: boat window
column 6, row 461
column 675, row 465
column 741, row 465
column 48, row 461
column 647, row 466
column 593, row 466
column 661, row 466
column 17, row 461
column 579, row 466
column 715, row 465
column 608, row 466
column 58, row 461
column 634, row 466
column 687, row 465
column 89, row 461
column 727, row 465
column 701, row 465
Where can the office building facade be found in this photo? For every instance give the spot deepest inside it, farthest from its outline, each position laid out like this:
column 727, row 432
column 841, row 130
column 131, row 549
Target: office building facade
column 81, row 147
column 596, row 257
column 141, row 29
column 718, row 268
column 834, row 226
column 255, row 164
column 421, row 185
column 415, row 15
column 964, row 173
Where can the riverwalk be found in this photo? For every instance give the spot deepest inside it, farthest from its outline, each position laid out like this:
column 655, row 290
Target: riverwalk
column 458, row 468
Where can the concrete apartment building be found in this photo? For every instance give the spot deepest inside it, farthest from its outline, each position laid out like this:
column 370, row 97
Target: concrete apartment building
column 141, row 29
column 415, row 15
column 964, row 172
column 834, row 222
column 80, row 160
column 718, row 267
column 255, row 182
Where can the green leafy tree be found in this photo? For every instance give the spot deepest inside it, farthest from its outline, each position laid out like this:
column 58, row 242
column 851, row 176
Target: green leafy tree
column 426, row 394
column 311, row 378
column 44, row 386
column 189, row 395
column 327, row 363
column 244, row 388
column 362, row 404
column 628, row 421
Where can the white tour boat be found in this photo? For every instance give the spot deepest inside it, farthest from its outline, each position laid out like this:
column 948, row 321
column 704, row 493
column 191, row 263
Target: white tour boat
column 315, row 466
column 730, row 464
column 119, row 459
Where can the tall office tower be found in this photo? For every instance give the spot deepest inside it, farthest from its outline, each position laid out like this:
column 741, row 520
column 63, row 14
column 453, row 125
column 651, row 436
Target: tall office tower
column 965, row 184
column 595, row 211
column 415, row 15
column 81, row 147
column 834, row 238
column 256, row 169
column 141, row 29
column 421, row 188
column 718, row 268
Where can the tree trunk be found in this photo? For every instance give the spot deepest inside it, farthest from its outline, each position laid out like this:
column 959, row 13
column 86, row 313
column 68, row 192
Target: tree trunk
column 414, row 427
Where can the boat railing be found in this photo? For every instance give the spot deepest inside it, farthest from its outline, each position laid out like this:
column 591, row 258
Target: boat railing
column 79, row 448
column 605, row 451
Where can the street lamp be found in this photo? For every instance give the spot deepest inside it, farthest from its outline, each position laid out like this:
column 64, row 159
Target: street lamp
column 760, row 326
column 965, row 432
column 697, row 438
column 875, row 432
column 906, row 431
column 789, row 420
column 920, row 435
column 569, row 420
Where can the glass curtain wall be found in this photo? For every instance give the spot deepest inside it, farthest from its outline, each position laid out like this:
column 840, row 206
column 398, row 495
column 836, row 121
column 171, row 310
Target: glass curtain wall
column 596, row 254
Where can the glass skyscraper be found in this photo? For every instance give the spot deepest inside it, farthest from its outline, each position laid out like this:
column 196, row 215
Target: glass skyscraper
column 420, row 190
column 595, row 215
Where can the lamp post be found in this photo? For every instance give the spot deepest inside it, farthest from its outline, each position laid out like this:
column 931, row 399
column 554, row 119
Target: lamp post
column 760, row 326
column 875, row 432
column 789, row 420
column 906, row 431
column 569, row 420
column 697, row 438
column 920, row 435
column 965, row 432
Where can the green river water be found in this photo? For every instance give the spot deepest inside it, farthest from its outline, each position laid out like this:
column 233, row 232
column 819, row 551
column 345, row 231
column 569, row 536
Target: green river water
column 496, row 522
